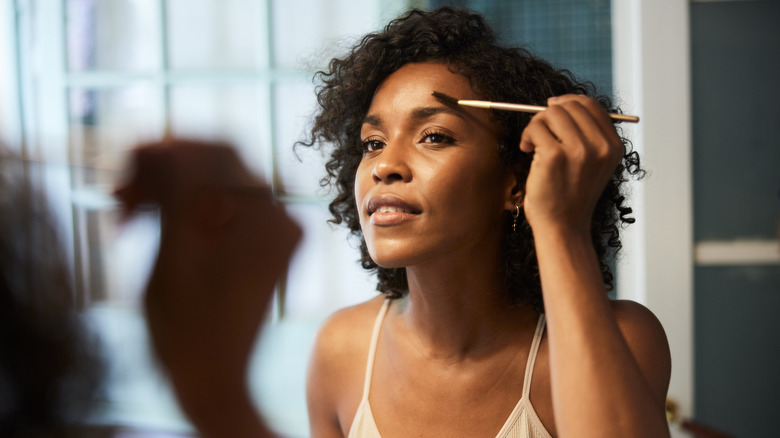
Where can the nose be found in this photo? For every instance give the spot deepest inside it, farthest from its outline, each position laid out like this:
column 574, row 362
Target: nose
column 392, row 165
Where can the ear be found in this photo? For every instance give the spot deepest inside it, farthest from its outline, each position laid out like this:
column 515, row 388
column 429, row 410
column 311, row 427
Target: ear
column 514, row 188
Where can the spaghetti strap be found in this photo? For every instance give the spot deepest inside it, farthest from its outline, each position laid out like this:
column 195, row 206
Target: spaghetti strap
column 529, row 366
column 372, row 347
column 522, row 422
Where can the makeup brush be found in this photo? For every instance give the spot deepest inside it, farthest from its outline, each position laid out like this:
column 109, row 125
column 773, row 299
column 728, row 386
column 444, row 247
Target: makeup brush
column 449, row 100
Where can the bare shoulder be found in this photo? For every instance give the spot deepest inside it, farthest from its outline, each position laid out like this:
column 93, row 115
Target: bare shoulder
column 647, row 341
column 337, row 364
column 639, row 325
column 347, row 331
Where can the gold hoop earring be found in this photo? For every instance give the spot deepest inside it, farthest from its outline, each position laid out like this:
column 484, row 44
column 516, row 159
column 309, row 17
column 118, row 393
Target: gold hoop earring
column 515, row 215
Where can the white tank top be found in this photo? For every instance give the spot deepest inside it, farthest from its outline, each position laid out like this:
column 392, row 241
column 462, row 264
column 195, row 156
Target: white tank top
column 522, row 422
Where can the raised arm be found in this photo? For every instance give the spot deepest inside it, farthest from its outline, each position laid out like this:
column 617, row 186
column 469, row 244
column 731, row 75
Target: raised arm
column 609, row 362
column 223, row 246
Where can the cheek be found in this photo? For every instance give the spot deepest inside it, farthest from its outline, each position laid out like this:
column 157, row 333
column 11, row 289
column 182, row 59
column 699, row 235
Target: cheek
column 361, row 187
column 479, row 197
column 470, row 186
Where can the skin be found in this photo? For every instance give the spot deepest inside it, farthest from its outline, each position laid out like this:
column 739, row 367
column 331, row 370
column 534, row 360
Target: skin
column 438, row 161
column 451, row 355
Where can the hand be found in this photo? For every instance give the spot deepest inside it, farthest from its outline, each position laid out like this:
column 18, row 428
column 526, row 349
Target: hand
column 576, row 150
column 223, row 246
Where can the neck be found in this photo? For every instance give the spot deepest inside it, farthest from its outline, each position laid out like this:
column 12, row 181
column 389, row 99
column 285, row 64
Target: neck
column 460, row 310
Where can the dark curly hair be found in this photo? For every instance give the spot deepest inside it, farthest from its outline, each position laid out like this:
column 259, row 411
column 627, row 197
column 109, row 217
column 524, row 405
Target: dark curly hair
column 464, row 42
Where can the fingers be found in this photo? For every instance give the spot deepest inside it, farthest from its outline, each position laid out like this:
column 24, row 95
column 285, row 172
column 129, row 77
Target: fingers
column 173, row 171
column 589, row 109
column 143, row 174
column 576, row 150
column 575, row 125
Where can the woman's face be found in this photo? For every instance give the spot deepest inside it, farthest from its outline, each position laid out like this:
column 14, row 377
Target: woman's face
column 430, row 185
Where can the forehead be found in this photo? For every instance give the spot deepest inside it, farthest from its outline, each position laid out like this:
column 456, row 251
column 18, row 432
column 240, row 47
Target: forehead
column 412, row 78
column 410, row 88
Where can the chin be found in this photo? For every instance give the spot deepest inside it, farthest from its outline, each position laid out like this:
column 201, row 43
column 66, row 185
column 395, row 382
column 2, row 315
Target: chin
column 391, row 259
column 388, row 262
column 390, row 265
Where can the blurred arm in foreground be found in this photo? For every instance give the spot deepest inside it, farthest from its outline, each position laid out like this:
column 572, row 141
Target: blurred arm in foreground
column 223, row 245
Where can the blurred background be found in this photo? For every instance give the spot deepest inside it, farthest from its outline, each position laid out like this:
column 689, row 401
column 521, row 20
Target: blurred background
column 82, row 81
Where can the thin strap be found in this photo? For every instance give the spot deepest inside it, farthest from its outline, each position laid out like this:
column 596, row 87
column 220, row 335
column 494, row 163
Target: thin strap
column 372, row 347
column 529, row 366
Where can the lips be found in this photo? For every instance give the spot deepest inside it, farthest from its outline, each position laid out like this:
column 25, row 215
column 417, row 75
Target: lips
column 390, row 204
column 390, row 210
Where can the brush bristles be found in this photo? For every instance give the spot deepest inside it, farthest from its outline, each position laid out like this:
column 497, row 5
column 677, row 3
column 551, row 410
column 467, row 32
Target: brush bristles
column 445, row 99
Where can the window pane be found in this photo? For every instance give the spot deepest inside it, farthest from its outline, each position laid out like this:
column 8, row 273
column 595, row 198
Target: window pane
column 135, row 393
column 227, row 34
column 298, row 168
column 237, row 114
column 113, row 35
column 106, row 122
column 317, row 28
column 736, row 195
column 324, row 274
column 113, row 260
column 278, row 374
column 572, row 34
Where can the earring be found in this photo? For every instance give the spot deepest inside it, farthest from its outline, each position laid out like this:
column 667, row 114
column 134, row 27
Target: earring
column 515, row 215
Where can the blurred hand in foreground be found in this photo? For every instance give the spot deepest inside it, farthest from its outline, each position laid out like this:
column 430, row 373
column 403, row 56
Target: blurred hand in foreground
column 223, row 245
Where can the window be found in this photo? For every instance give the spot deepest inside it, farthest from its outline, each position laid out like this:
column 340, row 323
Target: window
column 572, row 34
column 96, row 77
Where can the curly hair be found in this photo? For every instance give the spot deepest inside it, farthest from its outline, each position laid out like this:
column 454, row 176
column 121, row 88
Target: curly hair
column 463, row 41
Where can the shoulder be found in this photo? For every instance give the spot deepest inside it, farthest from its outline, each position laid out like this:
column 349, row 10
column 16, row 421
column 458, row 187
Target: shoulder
column 647, row 341
column 334, row 382
column 639, row 325
column 347, row 331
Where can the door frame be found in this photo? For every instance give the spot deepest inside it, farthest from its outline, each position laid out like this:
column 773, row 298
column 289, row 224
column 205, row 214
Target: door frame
column 651, row 52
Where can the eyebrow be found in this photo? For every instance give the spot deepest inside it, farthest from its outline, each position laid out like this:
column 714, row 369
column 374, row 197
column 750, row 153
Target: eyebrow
column 418, row 114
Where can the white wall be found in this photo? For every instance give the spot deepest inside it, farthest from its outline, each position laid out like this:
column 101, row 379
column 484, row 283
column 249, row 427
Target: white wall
column 652, row 74
column 9, row 114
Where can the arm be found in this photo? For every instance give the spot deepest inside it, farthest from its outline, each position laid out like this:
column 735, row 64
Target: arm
column 323, row 382
column 223, row 245
column 609, row 363
column 334, row 383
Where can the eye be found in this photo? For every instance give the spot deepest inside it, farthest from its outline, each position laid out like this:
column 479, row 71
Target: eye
column 436, row 137
column 372, row 144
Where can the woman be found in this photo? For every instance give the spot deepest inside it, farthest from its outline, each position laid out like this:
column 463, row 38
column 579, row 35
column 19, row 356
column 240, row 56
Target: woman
column 489, row 232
